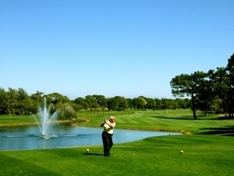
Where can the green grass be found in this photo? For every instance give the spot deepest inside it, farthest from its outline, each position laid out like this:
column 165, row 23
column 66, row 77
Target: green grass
column 163, row 120
column 211, row 154
column 203, row 155
column 16, row 120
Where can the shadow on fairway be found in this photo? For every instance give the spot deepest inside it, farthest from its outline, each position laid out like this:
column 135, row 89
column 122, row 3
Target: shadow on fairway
column 226, row 118
column 199, row 117
column 94, row 154
column 226, row 131
column 178, row 118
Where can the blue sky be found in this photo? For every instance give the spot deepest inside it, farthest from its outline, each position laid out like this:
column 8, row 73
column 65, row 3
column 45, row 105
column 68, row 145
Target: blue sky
column 111, row 47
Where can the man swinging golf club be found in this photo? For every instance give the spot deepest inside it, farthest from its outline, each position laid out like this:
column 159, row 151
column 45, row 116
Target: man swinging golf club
column 108, row 129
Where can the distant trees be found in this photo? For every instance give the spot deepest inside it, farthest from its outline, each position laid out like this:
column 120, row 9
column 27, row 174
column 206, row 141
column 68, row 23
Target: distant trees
column 15, row 102
column 18, row 102
column 211, row 91
column 119, row 103
column 208, row 92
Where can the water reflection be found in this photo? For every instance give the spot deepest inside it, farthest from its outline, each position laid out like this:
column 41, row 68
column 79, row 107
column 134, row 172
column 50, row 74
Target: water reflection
column 28, row 138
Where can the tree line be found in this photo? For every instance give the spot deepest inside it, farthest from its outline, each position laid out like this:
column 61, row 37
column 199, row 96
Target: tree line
column 18, row 102
column 211, row 91
column 208, row 91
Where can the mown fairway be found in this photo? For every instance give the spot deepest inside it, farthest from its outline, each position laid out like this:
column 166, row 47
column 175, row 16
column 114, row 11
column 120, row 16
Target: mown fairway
column 211, row 154
column 163, row 120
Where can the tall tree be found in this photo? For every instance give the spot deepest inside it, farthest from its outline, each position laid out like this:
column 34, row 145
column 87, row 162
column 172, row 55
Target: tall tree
column 189, row 85
column 219, row 81
column 230, row 70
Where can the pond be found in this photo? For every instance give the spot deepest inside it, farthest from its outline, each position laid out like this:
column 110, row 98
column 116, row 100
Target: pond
column 28, row 138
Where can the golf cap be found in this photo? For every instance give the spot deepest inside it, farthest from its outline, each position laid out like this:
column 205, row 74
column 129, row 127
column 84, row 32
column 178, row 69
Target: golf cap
column 112, row 117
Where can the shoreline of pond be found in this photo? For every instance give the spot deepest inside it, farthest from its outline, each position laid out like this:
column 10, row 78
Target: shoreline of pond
column 80, row 125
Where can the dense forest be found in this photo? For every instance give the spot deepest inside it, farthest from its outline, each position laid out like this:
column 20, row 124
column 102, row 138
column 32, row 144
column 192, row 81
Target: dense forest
column 210, row 92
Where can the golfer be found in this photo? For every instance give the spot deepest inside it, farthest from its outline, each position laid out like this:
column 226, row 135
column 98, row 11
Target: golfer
column 108, row 129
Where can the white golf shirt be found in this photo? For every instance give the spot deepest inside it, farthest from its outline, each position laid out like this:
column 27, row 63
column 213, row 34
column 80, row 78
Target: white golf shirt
column 108, row 129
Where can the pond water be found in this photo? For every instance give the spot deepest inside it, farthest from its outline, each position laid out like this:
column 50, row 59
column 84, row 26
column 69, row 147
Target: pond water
column 28, row 138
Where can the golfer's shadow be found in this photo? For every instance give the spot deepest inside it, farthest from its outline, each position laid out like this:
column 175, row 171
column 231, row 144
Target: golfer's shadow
column 94, row 154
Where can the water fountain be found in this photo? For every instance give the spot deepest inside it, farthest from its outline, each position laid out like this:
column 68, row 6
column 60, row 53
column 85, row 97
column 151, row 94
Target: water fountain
column 45, row 120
